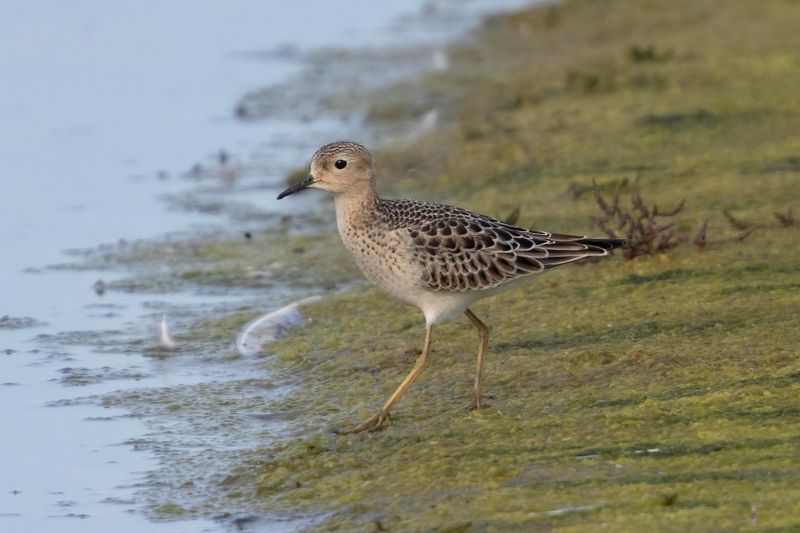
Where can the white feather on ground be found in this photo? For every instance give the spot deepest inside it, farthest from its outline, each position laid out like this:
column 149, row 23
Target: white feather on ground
column 165, row 340
column 268, row 327
column 440, row 61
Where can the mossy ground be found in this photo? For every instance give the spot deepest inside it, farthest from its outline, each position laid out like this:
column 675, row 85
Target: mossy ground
column 655, row 393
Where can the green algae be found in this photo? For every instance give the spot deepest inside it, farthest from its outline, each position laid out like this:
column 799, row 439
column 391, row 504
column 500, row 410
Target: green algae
column 171, row 509
column 270, row 257
column 654, row 393
column 665, row 378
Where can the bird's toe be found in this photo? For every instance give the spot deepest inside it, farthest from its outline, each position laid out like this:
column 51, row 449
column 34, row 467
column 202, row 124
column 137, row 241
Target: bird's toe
column 373, row 424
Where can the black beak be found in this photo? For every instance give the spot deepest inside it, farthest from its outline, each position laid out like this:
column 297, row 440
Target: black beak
column 297, row 187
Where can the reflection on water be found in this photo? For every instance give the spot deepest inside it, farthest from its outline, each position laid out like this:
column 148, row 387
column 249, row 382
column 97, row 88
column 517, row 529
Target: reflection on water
column 112, row 107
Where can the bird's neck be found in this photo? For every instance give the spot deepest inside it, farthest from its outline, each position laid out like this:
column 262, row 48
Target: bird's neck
column 356, row 209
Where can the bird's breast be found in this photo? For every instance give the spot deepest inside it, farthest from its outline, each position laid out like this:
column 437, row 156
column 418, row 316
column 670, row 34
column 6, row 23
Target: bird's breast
column 383, row 256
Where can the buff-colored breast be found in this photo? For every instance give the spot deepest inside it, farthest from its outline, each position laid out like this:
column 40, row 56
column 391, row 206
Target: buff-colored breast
column 384, row 257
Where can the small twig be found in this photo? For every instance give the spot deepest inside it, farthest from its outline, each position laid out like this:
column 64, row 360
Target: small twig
column 700, row 239
column 735, row 222
column 739, row 237
column 599, row 199
column 645, row 229
column 513, row 216
column 674, row 211
column 746, row 233
column 786, row 219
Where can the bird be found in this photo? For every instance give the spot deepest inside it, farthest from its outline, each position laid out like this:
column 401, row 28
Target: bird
column 439, row 258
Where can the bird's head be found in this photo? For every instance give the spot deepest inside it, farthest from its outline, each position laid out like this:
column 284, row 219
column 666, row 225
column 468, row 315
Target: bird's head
column 340, row 168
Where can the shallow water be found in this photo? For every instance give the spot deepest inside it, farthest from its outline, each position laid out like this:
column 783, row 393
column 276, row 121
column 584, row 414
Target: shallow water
column 112, row 104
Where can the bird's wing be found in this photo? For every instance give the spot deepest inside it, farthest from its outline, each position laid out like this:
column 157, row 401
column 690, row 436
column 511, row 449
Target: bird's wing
column 462, row 251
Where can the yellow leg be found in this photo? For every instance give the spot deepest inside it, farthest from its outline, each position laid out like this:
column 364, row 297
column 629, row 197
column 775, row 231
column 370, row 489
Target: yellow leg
column 483, row 340
column 376, row 422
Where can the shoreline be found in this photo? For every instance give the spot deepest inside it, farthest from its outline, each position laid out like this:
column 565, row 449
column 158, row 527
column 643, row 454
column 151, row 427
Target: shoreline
column 636, row 420
column 155, row 423
column 224, row 274
column 673, row 410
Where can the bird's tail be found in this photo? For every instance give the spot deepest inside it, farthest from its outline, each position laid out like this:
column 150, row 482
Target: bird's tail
column 605, row 244
column 563, row 249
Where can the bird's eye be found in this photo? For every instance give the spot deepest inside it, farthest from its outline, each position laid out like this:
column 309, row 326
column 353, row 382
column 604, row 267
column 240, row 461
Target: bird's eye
column 340, row 164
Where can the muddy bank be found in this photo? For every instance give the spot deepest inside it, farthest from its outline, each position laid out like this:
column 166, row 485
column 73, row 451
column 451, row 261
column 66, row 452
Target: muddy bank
column 102, row 416
column 627, row 394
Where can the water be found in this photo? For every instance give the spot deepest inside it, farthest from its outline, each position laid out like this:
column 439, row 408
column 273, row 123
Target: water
column 105, row 106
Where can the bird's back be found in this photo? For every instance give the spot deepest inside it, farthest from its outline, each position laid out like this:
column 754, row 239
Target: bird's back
column 458, row 250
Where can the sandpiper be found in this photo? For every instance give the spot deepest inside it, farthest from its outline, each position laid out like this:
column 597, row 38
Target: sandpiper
column 437, row 257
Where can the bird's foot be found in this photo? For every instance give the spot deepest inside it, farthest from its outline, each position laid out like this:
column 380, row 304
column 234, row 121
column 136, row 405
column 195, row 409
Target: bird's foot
column 375, row 423
column 478, row 402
